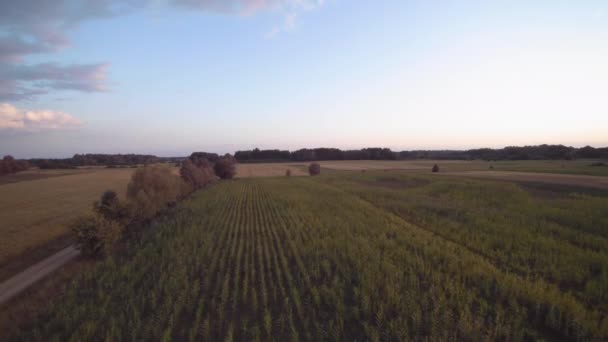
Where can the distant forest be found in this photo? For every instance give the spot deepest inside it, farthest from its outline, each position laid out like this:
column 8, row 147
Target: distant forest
column 108, row 160
column 555, row 152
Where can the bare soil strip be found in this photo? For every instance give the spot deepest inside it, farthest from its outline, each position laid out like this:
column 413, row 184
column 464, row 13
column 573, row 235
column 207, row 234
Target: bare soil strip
column 32, row 274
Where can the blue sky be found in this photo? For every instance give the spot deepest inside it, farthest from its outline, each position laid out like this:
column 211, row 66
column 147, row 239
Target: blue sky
column 170, row 77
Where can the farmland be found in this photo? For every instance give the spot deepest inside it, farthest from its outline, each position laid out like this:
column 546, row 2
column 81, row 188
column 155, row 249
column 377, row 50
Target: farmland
column 566, row 167
column 350, row 255
column 36, row 206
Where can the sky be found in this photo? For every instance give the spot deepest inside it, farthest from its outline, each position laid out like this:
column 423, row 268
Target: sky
column 168, row 77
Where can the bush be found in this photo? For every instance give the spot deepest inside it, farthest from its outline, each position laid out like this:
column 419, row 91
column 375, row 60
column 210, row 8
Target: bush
column 314, row 169
column 288, row 172
column 8, row 164
column 225, row 167
column 95, row 235
column 152, row 188
column 112, row 209
column 435, row 168
column 196, row 177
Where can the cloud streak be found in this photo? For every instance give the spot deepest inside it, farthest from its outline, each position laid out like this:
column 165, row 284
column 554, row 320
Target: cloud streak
column 14, row 119
column 19, row 82
column 290, row 9
column 30, row 27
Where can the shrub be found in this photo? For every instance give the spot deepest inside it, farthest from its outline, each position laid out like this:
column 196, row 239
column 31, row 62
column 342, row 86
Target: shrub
column 288, row 172
column 8, row 164
column 152, row 188
column 314, row 169
column 112, row 209
column 196, row 177
column 225, row 167
column 95, row 235
column 435, row 168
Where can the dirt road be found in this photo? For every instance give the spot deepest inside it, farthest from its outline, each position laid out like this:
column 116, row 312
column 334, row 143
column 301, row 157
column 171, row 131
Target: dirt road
column 32, row 274
column 596, row 182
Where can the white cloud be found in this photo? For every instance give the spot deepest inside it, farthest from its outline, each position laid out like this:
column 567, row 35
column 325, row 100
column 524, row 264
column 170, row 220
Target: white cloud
column 291, row 10
column 12, row 118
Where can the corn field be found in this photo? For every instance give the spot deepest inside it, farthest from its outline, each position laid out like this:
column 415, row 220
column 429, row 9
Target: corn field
column 312, row 259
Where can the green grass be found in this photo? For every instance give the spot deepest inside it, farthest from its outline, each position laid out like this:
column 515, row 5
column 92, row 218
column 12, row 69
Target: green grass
column 345, row 256
column 573, row 167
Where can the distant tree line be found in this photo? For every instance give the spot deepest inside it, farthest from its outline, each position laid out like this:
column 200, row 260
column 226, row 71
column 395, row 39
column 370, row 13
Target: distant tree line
column 554, row 152
column 114, row 159
column 101, row 160
column 307, row 154
column 9, row 165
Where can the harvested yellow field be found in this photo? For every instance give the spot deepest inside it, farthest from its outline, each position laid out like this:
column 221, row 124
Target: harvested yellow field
column 33, row 174
column 269, row 170
column 33, row 212
column 300, row 168
column 408, row 165
column 572, row 167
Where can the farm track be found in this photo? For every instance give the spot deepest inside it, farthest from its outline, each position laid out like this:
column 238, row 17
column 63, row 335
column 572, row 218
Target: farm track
column 19, row 282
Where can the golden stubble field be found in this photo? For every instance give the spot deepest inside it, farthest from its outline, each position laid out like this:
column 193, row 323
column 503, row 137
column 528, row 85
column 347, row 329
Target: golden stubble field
column 35, row 211
column 301, row 168
column 270, row 169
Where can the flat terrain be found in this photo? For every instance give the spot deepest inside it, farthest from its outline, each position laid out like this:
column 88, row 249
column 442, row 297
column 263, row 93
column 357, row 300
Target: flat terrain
column 269, row 170
column 574, row 167
column 380, row 255
column 34, row 174
column 36, row 211
column 32, row 274
column 36, row 205
column 596, row 182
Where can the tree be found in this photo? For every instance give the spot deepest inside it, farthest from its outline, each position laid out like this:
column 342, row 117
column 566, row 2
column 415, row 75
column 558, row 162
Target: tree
column 435, row 168
column 225, row 167
column 288, row 172
column 152, row 188
column 196, row 177
column 8, row 164
column 111, row 208
column 95, row 235
column 203, row 157
column 314, row 169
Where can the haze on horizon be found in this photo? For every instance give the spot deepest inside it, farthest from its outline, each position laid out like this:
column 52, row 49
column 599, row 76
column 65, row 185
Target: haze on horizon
column 167, row 77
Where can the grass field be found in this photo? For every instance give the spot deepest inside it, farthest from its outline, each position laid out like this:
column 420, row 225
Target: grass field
column 349, row 255
column 36, row 206
column 571, row 167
